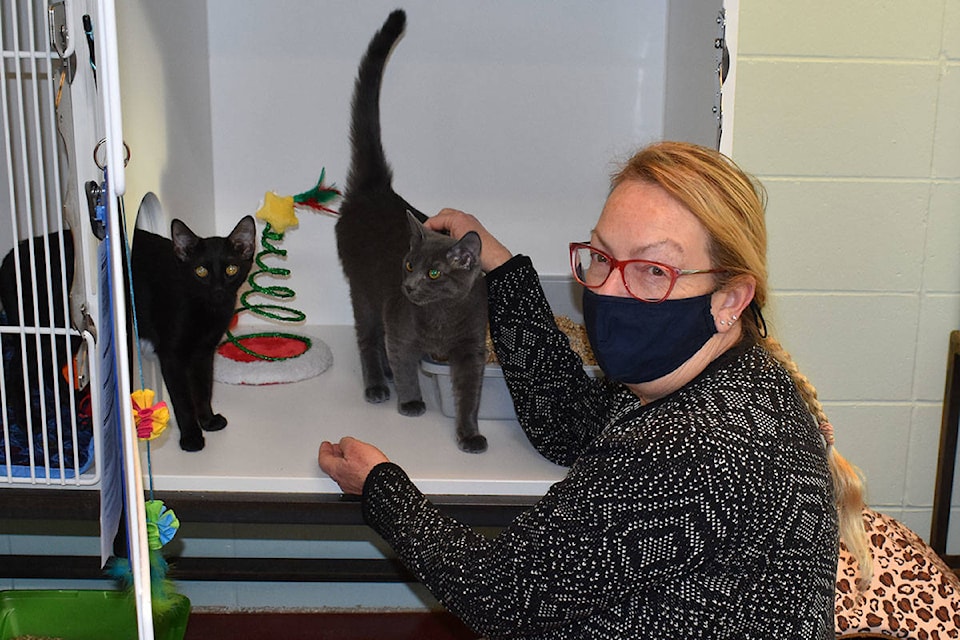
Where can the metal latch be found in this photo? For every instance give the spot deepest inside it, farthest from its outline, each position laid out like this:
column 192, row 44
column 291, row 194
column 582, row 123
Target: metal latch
column 97, row 209
column 60, row 37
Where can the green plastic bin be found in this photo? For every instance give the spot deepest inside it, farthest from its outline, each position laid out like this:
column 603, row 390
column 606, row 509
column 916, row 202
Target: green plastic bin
column 80, row 614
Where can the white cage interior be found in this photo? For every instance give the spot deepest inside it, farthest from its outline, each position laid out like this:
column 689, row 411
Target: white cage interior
column 44, row 374
column 514, row 112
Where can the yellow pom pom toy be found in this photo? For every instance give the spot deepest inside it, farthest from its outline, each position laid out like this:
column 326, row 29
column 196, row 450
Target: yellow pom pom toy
column 151, row 419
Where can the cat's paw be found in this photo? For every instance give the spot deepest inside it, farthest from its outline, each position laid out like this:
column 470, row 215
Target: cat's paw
column 473, row 444
column 192, row 443
column 413, row 408
column 215, row 423
column 376, row 394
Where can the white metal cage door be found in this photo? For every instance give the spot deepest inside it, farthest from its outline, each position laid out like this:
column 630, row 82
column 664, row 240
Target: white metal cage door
column 49, row 418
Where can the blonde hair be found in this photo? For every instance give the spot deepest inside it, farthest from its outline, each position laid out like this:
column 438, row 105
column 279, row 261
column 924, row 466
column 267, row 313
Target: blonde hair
column 730, row 204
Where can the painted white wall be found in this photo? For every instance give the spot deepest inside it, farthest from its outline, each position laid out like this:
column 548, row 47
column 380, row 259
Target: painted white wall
column 514, row 112
column 510, row 111
column 848, row 114
column 165, row 94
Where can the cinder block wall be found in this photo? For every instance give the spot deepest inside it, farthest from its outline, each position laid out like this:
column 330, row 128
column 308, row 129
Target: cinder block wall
column 849, row 113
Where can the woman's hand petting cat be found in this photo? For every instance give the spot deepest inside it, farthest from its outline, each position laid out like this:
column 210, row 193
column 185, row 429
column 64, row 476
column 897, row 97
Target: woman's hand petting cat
column 349, row 462
column 457, row 224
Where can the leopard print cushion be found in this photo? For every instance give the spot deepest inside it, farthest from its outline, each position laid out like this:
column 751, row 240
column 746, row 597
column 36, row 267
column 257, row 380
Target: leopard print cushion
column 913, row 594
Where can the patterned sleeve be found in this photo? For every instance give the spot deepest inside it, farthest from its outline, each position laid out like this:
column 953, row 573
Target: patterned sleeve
column 595, row 537
column 559, row 406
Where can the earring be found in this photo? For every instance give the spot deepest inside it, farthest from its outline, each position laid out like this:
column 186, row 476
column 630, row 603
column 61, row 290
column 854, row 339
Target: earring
column 729, row 323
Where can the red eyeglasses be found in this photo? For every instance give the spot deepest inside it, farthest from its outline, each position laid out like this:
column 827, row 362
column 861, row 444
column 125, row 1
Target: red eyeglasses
column 644, row 280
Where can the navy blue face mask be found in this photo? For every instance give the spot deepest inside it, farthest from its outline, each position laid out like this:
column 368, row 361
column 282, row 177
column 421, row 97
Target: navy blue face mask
column 637, row 341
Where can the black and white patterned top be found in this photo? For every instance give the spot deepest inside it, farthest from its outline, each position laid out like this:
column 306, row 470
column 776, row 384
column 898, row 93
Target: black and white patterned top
column 705, row 514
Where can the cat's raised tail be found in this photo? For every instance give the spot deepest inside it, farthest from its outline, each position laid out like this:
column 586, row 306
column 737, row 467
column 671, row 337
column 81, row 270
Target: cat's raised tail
column 368, row 167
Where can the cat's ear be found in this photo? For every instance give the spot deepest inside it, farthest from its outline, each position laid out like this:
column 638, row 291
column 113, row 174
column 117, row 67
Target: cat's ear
column 243, row 237
column 184, row 240
column 466, row 253
column 416, row 229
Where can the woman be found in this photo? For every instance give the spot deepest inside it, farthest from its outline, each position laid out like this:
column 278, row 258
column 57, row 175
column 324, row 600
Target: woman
column 702, row 499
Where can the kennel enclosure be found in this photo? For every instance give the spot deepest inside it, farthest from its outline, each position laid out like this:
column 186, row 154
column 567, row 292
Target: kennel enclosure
column 511, row 111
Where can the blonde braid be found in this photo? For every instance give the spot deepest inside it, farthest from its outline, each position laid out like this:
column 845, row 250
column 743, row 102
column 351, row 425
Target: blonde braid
column 848, row 486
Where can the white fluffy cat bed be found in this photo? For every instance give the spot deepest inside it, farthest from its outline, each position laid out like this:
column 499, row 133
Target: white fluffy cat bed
column 260, row 358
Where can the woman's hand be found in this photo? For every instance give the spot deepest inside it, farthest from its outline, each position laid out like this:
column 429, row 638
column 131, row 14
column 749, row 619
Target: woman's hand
column 458, row 224
column 349, row 462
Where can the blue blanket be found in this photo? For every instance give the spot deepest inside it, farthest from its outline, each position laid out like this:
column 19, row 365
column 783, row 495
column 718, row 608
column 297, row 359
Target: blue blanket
column 60, row 448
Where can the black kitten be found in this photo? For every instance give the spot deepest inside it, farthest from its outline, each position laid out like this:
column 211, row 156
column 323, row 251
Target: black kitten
column 414, row 291
column 46, row 250
column 185, row 291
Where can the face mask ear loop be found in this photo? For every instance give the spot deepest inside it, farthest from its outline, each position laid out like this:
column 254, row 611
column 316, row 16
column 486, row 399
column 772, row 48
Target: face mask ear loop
column 761, row 323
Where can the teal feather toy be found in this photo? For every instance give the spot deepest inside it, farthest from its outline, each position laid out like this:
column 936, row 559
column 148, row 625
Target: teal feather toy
column 162, row 525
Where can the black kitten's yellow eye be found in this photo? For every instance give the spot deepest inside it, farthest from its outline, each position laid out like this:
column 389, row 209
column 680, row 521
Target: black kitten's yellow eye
column 408, row 267
column 434, row 274
column 232, row 269
column 201, row 272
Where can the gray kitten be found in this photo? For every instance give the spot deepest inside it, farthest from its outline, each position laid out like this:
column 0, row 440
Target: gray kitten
column 414, row 291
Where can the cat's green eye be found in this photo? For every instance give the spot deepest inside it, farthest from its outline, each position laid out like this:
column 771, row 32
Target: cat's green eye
column 409, row 267
column 201, row 272
column 434, row 274
column 232, row 270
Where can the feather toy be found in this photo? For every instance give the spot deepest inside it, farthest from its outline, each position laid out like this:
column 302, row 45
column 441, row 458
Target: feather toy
column 162, row 526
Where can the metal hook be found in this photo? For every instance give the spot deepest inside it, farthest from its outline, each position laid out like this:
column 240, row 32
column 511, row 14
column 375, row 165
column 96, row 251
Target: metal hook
column 96, row 151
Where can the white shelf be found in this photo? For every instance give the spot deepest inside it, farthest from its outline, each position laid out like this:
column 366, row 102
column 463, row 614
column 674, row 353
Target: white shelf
column 274, row 431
